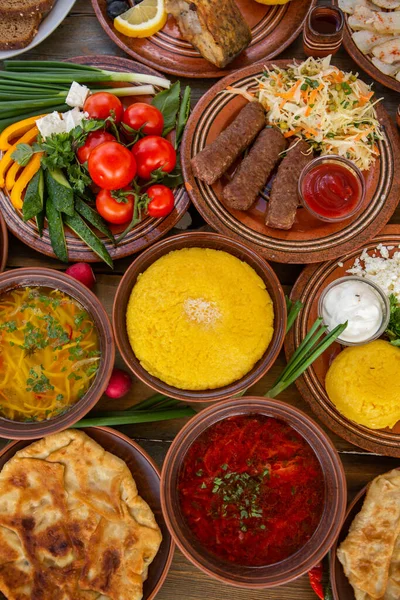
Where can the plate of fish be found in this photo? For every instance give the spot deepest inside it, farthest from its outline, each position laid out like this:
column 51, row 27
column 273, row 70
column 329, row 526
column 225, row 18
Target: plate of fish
column 298, row 160
column 67, row 530
column 353, row 386
column 203, row 38
column 365, row 558
column 372, row 38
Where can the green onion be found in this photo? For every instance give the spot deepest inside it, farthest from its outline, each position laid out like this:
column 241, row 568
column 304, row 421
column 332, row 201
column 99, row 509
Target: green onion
column 6, row 122
column 308, row 351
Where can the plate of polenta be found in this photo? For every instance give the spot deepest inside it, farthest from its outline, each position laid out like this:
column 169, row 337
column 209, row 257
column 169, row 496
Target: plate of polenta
column 355, row 388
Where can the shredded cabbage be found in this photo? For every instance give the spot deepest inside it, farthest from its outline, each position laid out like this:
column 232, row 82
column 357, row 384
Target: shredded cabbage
column 329, row 108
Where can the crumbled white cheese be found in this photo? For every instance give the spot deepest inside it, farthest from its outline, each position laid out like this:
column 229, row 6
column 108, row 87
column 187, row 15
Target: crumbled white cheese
column 50, row 124
column 201, row 311
column 380, row 267
column 73, row 118
column 77, row 95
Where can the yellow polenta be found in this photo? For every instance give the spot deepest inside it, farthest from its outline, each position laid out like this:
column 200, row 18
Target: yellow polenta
column 199, row 318
column 363, row 382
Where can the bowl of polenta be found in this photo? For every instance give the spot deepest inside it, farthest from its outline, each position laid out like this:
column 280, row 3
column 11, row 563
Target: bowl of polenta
column 199, row 317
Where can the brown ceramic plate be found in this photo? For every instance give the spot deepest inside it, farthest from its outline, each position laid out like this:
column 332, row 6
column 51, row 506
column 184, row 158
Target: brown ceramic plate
column 308, row 288
column 147, row 477
column 363, row 60
column 202, row 240
column 37, row 276
column 273, row 27
column 144, row 234
column 334, row 506
column 3, row 244
column 310, row 240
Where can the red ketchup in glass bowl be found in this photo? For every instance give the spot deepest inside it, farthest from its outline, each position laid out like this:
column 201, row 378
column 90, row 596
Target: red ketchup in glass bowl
column 332, row 188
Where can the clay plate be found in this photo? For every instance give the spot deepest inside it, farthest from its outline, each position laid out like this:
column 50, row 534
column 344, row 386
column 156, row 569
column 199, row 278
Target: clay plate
column 3, row 244
column 38, row 276
column 273, row 27
column 309, row 240
column 363, row 60
column 144, row 234
column 334, row 506
column 199, row 240
column 308, row 288
column 147, row 477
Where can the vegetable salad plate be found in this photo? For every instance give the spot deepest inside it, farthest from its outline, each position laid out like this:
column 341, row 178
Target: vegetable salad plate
column 308, row 239
column 312, row 385
column 369, row 52
column 144, row 233
column 147, row 478
column 273, row 29
column 49, row 24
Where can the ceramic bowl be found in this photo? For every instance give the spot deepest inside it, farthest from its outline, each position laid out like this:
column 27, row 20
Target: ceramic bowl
column 147, row 477
column 3, row 244
column 36, row 276
column 199, row 240
column 333, row 511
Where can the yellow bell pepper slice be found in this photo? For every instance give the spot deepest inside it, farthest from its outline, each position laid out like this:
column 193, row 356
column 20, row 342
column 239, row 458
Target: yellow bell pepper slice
column 16, row 130
column 29, row 171
column 12, row 176
column 6, row 161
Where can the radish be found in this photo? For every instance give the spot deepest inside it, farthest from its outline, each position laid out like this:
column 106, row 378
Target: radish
column 120, row 383
column 82, row 272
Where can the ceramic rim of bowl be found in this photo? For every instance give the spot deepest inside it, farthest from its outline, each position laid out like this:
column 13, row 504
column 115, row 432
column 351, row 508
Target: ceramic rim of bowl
column 43, row 277
column 199, row 240
column 4, row 243
column 334, row 507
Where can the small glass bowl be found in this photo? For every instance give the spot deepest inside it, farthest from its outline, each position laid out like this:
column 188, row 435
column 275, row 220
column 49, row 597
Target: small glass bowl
column 344, row 162
column 379, row 292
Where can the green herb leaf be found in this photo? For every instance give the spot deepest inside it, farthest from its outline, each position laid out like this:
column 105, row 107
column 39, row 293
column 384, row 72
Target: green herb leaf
column 22, row 154
column 393, row 328
column 183, row 116
column 167, row 102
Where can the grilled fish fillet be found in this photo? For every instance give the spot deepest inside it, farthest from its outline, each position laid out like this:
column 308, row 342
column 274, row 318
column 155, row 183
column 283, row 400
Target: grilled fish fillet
column 215, row 27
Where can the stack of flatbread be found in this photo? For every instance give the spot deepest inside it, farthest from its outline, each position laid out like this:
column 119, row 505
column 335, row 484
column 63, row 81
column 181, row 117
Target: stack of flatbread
column 72, row 525
column 376, row 26
column 370, row 554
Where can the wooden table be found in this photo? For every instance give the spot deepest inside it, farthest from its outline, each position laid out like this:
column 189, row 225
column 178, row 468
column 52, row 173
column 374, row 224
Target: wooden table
column 81, row 34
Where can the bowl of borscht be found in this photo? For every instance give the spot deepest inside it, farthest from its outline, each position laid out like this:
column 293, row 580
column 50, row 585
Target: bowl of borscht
column 253, row 492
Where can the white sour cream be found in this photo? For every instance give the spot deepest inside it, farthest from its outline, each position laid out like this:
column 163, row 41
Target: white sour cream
column 357, row 303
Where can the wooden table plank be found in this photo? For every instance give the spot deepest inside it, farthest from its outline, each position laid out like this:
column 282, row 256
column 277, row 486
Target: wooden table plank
column 81, row 34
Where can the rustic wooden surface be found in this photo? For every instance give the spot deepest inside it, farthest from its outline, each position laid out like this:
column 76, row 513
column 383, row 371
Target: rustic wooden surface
column 81, row 34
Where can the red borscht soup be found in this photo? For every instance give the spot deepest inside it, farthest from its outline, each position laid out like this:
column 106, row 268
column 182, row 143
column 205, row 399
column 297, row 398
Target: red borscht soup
column 251, row 489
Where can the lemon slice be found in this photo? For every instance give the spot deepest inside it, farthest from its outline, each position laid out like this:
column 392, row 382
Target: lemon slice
column 143, row 20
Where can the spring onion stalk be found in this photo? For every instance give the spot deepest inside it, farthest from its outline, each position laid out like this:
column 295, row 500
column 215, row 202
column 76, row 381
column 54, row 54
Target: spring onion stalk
column 308, row 351
column 83, row 77
column 11, row 65
column 6, row 122
column 140, row 417
column 293, row 311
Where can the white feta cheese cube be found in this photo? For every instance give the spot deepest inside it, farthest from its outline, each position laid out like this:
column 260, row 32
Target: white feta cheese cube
column 77, row 95
column 73, row 118
column 50, row 124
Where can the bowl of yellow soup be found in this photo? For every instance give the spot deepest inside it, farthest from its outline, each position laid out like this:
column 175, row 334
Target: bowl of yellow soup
column 199, row 317
column 56, row 352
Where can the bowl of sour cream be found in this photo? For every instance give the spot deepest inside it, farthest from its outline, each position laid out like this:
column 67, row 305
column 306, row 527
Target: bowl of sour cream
column 361, row 303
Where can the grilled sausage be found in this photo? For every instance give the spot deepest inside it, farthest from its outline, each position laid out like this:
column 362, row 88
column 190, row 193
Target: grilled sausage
column 212, row 162
column 283, row 200
column 254, row 170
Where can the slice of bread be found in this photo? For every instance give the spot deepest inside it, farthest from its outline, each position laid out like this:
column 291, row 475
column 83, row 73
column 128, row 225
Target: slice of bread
column 18, row 32
column 25, row 7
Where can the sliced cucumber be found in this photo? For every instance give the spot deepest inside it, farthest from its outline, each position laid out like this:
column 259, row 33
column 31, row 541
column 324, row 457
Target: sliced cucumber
column 60, row 191
column 33, row 201
column 56, row 230
column 40, row 221
column 93, row 218
column 78, row 226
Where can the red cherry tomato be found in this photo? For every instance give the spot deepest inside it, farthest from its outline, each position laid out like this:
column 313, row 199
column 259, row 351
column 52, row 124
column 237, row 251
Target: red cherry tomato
column 144, row 117
column 111, row 166
column 103, row 105
column 162, row 201
column 114, row 211
column 151, row 153
column 93, row 139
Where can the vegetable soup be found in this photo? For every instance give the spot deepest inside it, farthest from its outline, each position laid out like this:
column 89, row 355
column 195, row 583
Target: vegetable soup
column 49, row 353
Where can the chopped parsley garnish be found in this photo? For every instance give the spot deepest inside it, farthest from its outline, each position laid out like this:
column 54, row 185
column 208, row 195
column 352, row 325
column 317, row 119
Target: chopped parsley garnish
column 38, row 383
